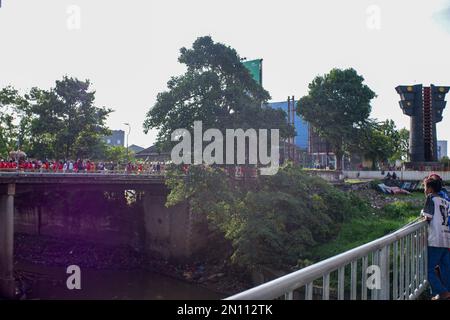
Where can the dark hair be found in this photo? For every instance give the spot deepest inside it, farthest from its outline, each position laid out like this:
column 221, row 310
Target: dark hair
column 436, row 177
column 434, row 184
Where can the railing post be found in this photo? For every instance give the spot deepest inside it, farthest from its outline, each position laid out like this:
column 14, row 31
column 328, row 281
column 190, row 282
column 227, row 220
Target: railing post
column 326, row 287
column 384, row 267
column 395, row 271
column 374, row 293
column 425, row 256
column 354, row 266
column 364, row 267
column 402, row 270
column 341, row 283
column 309, row 291
column 407, row 264
column 416, row 259
column 289, row 295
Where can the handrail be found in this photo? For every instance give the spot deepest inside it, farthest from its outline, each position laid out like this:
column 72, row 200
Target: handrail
column 412, row 240
column 17, row 173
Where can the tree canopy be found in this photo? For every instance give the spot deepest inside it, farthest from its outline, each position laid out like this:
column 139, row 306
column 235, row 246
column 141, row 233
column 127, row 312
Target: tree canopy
column 14, row 121
column 62, row 122
column 216, row 89
column 381, row 142
column 337, row 106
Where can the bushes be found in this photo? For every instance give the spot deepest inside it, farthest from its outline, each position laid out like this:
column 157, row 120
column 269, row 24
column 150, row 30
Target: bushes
column 368, row 226
column 273, row 221
column 401, row 210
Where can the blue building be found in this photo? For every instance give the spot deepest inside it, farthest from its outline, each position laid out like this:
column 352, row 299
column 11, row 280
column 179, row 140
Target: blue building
column 301, row 126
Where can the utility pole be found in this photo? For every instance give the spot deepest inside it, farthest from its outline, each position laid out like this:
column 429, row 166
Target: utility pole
column 128, row 136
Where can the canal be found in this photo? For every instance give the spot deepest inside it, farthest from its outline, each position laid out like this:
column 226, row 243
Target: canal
column 48, row 283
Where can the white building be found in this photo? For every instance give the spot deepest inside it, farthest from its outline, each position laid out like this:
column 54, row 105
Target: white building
column 442, row 149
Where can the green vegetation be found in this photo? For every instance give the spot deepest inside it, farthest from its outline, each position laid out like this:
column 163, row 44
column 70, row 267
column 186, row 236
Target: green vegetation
column 216, row 89
column 381, row 142
column 60, row 123
column 446, row 161
column 338, row 107
column 118, row 154
column 370, row 225
column 283, row 220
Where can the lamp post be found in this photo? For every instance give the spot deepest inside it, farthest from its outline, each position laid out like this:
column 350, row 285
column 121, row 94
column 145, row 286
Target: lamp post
column 128, row 135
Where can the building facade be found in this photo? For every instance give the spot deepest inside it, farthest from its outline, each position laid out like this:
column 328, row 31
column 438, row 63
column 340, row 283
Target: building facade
column 116, row 139
column 442, row 149
column 301, row 126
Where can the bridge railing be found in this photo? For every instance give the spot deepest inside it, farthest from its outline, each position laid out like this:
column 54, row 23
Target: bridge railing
column 391, row 267
column 83, row 172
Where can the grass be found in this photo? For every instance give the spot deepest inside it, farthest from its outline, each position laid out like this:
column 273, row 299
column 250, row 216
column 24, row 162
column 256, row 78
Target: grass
column 369, row 226
column 354, row 181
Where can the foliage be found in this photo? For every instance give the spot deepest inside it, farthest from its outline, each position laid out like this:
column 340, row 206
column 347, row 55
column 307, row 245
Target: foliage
column 13, row 122
column 62, row 122
column 446, row 161
column 216, row 89
column 272, row 221
column 118, row 154
column 67, row 116
column 337, row 106
column 402, row 151
column 382, row 142
column 367, row 227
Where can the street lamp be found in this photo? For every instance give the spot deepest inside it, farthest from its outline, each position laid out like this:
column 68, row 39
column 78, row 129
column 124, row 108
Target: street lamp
column 128, row 135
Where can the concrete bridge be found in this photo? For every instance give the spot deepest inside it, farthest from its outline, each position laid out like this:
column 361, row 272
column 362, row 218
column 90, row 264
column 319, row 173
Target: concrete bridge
column 173, row 233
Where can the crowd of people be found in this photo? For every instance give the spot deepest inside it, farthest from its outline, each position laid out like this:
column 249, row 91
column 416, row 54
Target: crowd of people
column 78, row 166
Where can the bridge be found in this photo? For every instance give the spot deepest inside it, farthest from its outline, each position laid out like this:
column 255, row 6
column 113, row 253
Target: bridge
column 392, row 267
column 173, row 233
column 398, row 259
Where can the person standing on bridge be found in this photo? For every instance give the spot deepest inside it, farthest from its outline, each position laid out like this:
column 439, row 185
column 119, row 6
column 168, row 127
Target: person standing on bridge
column 443, row 193
column 436, row 212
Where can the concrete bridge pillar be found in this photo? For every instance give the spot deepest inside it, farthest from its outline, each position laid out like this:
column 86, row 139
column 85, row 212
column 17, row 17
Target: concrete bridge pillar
column 175, row 233
column 7, row 286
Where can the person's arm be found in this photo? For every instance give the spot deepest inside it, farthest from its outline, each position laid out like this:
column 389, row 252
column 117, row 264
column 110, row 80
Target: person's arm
column 428, row 210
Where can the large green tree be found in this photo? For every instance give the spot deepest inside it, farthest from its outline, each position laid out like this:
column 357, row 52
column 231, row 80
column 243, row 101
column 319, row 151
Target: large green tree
column 381, row 142
column 338, row 107
column 216, row 89
column 65, row 123
column 14, row 121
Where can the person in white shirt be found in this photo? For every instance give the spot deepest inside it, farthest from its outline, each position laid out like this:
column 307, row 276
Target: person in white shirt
column 437, row 211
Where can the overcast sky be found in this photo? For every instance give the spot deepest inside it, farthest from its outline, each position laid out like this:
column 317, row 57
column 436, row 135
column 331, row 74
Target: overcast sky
column 129, row 49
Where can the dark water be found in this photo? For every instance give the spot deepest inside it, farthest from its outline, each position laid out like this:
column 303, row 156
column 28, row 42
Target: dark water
column 50, row 283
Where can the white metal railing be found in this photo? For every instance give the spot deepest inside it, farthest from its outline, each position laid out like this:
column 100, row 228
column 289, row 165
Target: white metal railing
column 398, row 258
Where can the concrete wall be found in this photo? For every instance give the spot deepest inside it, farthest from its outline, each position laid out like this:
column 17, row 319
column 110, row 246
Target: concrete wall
column 330, row 176
column 173, row 233
column 405, row 175
column 102, row 227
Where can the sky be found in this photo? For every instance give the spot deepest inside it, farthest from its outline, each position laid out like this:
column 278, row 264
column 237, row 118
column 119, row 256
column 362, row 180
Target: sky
column 129, row 49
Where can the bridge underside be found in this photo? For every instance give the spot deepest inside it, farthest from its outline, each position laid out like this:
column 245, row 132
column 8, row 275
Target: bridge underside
column 173, row 233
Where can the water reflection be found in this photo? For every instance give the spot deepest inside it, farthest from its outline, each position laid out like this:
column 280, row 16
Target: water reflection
column 50, row 283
